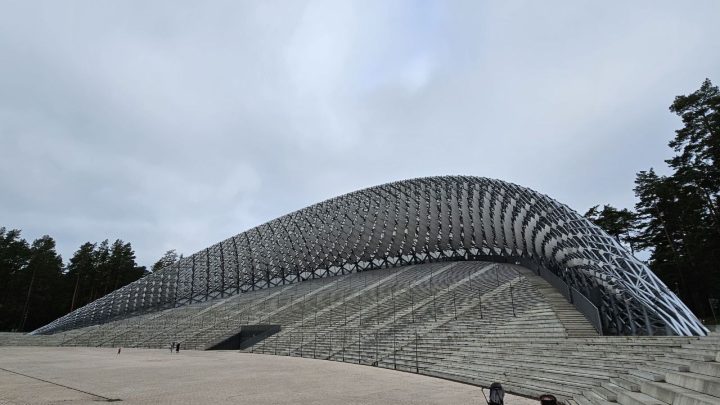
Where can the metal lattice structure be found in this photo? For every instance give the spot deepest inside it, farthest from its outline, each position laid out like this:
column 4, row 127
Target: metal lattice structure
column 406, row 222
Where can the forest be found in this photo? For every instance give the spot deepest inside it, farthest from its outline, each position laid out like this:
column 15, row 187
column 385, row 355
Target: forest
column 36, row 287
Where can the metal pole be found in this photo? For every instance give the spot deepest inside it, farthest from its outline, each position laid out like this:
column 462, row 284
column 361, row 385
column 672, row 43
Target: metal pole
column 394, row 331
column 412, row 305
column 432, row 287
column 648, row 326
column 454, row 305
column 631, row 318
column 302, row 324
column 712, row 309
column 359, row 356
column 315, row 327
column 394, row 350
column 377, row 350
column 417, row 367
column 512, row 300
column 377, row 306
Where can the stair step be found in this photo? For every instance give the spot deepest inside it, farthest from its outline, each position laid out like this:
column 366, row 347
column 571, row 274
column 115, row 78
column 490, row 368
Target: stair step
column 670, row 366
column 647, row 375
column 697, row 382
column 637, row 398
column 604, row 393
column 709, row 368
column 691, row 356
column 676, row 395
column 623, row 383
column 594, row 399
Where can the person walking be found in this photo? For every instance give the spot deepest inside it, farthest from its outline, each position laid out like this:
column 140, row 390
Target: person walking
column 172, row 346
column 177, row 348
column 119, row 350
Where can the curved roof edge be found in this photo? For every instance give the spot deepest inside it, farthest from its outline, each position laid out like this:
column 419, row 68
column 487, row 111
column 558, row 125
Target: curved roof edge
column 412, row 221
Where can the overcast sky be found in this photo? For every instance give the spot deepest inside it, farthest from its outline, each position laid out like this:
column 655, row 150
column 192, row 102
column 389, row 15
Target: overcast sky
column 179, row 124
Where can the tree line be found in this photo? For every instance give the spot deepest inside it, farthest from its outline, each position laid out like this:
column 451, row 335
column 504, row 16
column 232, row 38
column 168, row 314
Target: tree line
column 36, row 287
column 676, row 217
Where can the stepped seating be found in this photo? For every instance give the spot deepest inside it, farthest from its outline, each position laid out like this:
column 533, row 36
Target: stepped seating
column 685, row 375
column 472, row 322
column 22, row 339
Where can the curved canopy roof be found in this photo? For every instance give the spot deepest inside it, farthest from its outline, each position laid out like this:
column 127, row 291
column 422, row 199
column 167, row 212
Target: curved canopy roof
column 418, row 220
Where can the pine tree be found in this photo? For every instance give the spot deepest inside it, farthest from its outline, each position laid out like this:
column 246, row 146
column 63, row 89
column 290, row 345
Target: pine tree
column 14, row 256
column 678, row 213
column 81, row 270
column 170, row 257
column 620, row 224
column 45, row 271
column 122, row 264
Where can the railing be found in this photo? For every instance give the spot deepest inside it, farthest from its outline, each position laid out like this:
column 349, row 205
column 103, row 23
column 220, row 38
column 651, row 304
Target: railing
column 385, row 345
column 581, row 302
column 556, row 282
column 587, row 308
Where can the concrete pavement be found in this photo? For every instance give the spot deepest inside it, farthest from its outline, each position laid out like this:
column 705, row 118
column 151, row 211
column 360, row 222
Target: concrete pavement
column 47, row 375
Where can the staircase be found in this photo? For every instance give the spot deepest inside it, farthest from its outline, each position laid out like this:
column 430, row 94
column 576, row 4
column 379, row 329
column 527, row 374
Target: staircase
column 685, row 375
column 572, row 320
column 473, row 322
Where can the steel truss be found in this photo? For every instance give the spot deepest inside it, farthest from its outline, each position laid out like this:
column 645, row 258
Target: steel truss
column 405, row 222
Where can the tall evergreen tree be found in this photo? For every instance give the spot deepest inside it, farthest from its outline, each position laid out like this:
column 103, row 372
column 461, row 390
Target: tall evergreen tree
column 35, row 289
column 45, row 271
column 122, row 264
column 620, row 224
column 80, row 272
column 14, row 256
column 660, row 221
column 698, row 144
column 98, row 269
column 679, row 218
column 103, row 275
column 170, row 257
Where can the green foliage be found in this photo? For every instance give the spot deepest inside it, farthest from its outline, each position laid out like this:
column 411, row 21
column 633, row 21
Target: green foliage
column 98, row 269
column 698, row 142
column 45, row 269
column 676, row 216
column 620, row 224
column 170, row 257
column 14, row 257
column 36, row 289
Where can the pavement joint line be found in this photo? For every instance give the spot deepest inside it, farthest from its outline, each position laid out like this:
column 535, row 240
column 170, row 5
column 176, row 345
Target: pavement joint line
column 61, row 385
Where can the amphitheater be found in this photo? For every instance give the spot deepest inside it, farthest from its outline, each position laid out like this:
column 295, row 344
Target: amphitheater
column 465, row 279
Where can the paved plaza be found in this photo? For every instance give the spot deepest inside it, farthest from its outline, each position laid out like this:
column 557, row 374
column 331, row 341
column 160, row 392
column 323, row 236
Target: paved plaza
column 48, row 375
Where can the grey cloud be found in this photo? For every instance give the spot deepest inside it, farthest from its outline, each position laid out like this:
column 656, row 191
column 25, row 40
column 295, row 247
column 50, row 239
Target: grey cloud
column 178, row 124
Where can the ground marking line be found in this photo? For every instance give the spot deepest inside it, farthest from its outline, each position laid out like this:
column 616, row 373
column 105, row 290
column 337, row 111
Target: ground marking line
column 64, row 386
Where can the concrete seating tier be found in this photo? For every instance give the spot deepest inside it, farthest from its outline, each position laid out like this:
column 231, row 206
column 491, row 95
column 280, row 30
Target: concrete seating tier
column 473, row 322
